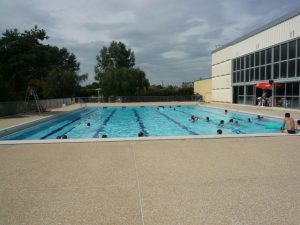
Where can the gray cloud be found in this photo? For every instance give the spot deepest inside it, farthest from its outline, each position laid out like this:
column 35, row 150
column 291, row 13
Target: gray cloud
column 172, row 40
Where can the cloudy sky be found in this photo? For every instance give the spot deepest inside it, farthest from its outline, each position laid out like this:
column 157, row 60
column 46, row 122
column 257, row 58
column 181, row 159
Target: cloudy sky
column 172, row 39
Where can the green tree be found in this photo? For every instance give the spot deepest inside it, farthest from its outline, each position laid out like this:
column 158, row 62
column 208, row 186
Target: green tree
column 124, row 82
column 25, row 60
column 117, row 55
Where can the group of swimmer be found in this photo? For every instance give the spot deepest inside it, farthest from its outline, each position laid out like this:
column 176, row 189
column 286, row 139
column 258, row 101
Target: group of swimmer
column 292, row 127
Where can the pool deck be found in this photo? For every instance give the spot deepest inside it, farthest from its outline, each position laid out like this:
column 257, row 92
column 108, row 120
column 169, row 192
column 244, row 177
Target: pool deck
column 234, row 181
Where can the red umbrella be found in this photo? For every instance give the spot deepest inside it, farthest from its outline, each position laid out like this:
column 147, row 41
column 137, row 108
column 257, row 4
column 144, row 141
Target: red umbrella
column 264, row 85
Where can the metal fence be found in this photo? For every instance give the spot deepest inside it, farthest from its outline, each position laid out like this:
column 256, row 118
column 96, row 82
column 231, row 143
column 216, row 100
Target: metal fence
column 116, row 99
column 11, row 108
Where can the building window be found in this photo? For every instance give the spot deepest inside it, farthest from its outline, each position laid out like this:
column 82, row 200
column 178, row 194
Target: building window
column 234, row 77
column 276, row 71
column 252, row 59
column 238, row 63
column 284, row 52
column 242, row 63
column 298, row 48
column 262, row 58
column 298, row 68
column 247, row 79
column 242, row 76
column 276, row 53
column 238, row 77
column 256, row 58
column 268, row 73
column 257, row 73
column 247, row 61
column 251, row 74
column 269, row 55
column 291, row 68
column 292, row 49
column 234, row 65
column 283, row 68
column 262, row 73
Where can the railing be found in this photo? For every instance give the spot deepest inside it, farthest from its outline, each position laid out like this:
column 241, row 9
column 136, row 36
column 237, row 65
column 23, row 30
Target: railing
column 11, row 108
column 116, row 99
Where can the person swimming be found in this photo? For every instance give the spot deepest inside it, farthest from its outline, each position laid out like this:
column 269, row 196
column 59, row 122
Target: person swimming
column 236, row 122
column 193, row 118
column 219, row 132
column 249, row 120
column 231, row 121
column 104, row 136
column 141, row 134
column 225, row 111
column 88, row 125
column 207, row 119
column 259, row 117
column 64, row 136
column 221, row 123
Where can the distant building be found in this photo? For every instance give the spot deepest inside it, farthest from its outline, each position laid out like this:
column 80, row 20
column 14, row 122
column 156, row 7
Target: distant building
column 203, row 87
column 271, row 52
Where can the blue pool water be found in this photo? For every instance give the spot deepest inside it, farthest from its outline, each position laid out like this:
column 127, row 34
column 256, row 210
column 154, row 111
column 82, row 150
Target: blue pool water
column 152, row 121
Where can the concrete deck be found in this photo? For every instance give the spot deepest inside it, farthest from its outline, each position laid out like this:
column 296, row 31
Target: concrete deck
column 219, row 181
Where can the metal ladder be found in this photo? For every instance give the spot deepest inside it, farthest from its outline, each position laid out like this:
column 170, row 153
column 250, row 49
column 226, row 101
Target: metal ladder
column 32, row 91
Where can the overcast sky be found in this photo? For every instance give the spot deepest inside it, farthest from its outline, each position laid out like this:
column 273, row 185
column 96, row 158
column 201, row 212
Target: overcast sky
column 172, row 40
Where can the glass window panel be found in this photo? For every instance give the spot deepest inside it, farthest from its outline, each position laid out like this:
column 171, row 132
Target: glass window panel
column 289, row 89
column 276, row 53
column 268, row 73
column 298, row 68
column 280, row 90
column 269, row 55
column 298, row 47
column 249, row 90
column 247, row 61
column 292, row 49
column 296, row 89
column 256, row 58
column 252, row 60
column 283, row 68
column 251, row 74
column 234, row 65
column 257, row 73
column 276, row 71
column 241, row 90
column 238, row 76
column 242, row 76
column 242, row 63
column 262, row 73
column 247, row 76
column 234, row 77
column 238, row 63
column 262, row 57
column 283, row 51
column 291, row 68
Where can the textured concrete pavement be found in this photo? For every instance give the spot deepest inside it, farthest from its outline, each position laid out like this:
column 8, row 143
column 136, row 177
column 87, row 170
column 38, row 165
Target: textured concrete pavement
column 188, row 182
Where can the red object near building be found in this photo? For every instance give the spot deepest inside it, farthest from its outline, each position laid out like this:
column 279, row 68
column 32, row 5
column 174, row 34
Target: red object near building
column 264, row 85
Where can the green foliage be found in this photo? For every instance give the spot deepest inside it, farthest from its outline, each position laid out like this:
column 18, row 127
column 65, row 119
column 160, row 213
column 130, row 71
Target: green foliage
column 169, row 91
column 116, row 73
column 25, row 60
column 124, row 82
column 113, row 57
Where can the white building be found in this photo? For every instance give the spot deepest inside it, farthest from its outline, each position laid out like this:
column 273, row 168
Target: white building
column 271, row 52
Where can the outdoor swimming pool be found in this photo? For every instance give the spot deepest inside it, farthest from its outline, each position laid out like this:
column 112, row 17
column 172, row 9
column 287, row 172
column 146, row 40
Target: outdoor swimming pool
column 119, row 122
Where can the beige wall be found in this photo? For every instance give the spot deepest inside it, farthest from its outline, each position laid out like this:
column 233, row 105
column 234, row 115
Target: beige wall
column 221, row 60
column 203, row 87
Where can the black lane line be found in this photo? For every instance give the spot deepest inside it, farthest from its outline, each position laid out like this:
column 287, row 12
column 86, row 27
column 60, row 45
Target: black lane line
column 141, row 124
column 62, row 127
column 179, row 124
column 96, row 135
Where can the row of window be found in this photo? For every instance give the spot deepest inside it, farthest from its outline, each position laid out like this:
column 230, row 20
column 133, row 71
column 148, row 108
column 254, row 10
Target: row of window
column 285, row 51
column 286, row 69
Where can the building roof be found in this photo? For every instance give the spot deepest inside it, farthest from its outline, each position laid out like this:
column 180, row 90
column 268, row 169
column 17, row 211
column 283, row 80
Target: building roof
column 261, row 29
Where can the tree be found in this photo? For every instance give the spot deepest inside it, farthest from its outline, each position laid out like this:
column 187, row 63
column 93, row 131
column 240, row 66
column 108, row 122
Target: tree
column 124, row 82
column 25, row 60
column 116, row 73
column 113, row 57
